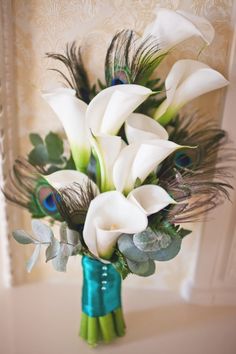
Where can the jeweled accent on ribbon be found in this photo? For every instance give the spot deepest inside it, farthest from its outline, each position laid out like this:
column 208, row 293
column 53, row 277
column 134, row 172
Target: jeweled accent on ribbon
column 101, row 292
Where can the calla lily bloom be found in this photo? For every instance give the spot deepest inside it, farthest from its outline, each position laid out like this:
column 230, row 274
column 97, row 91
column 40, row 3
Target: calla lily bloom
column 71, row 112
column 139, row 127
column 65, row 178
column 173, row 27
column 187, row 80
column 105, row 114
column 110, row 108
column 150, row 198
column 137, row 161
column 109, row 215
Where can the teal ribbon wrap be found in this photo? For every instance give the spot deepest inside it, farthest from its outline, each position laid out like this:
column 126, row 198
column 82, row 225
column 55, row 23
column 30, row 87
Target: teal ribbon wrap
column 101, row 292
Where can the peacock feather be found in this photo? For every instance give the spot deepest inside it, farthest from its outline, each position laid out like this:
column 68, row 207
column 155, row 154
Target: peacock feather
column 130, row 60
column 27, row 188
column 78, row 78
column 73, row 202
column 199, row 177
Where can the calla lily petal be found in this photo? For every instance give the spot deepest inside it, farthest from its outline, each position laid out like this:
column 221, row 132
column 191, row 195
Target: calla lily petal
column 149, row 155
column 205, row 28
column 107, row 149
column 173, row 27
column 137, row 161
column 139, row 127
column 187, row 80
column 109, row 215
column 109, row 108
column 65, row 178
column 150, row 198
column 122, row 176
column 71, row 112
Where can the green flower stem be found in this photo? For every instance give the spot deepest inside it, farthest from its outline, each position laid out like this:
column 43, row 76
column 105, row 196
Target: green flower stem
column 102, row 329
column 84, row 326
column 167, row 116
column 119, row 322
column 93, row 331
column 107, row 328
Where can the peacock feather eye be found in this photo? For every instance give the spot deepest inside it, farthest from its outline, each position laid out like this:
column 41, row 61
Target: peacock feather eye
column 49, row 203
column 44, row 196
column 120, row 77
column 183, row 159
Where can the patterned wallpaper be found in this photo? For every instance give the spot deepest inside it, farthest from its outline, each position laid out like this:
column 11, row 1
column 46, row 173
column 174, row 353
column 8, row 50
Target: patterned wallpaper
column 47, row 25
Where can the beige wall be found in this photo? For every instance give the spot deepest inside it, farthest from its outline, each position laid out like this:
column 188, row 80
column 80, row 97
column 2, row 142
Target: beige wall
column 47, row 25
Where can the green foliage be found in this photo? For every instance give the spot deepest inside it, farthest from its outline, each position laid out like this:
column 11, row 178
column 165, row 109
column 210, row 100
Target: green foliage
column 138, row 183
column 57, row 251
column 39, row 155
column 129, row 250
column 35, row 139
column 167, row 253
column 55, row 148
column 151, row 179
column 120, row 263
column 148, row 240
column 48, row 153
column 143, row 269
column 23, row 237
column 161, row 241
column 34, row 258
column 159, row 224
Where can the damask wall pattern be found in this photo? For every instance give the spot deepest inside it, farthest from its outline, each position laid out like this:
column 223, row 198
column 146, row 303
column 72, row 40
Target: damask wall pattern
column 42, row 26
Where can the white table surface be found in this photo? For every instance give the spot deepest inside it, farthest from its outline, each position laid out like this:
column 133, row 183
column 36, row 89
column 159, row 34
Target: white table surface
column 43, row 318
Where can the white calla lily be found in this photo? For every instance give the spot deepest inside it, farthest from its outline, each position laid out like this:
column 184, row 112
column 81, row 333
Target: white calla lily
column 137, row 161
column 187, row 80
column 71, row 112
column 65, row 178
column 173, row 27
column 109, row 215
column 139, row 127
column 110, row 108
column 150, row 198
column 106, row 149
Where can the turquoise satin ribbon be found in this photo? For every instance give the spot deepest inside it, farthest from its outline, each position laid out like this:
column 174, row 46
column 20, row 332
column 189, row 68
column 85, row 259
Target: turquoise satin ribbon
column 101, row 292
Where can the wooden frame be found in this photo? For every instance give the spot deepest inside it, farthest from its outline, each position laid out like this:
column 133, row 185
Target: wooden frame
column 9, row 217
column 213, row 279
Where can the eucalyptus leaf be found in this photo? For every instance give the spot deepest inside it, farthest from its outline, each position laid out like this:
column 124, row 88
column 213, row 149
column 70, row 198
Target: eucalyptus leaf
column 34, row 258
column 54, row 146
column 23, row 237
column 77, row 249
column 129, row 250
column 72, row 236
column 66, row 250
column 52, row 250
column 142, row 268
column 148, row 240
column 168, row 253
column 35, row 139
column 39, row 155
column 60, row 261
column 43, row 232
column 63, row 232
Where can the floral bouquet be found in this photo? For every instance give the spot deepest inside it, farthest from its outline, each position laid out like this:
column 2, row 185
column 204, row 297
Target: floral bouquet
column 136, row 170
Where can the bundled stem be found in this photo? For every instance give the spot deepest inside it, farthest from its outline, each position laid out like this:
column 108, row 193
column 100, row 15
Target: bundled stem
column 103, row 328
